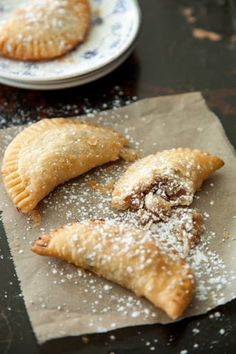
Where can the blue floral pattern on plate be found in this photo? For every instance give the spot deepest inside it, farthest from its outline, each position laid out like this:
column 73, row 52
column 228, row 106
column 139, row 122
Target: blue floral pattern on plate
column 115, row 25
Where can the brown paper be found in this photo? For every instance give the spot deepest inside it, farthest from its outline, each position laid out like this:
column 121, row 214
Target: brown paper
column 62, row 300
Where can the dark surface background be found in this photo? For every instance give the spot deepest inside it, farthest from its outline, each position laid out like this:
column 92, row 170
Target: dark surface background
column 167, row 60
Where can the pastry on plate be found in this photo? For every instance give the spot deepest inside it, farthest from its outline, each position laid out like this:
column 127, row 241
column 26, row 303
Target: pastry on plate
column 51, row 152
column 127, row 256
column 167, row 179
column 45, row 29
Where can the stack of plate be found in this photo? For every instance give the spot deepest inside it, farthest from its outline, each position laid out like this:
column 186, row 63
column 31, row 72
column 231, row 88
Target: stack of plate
column 111, row 39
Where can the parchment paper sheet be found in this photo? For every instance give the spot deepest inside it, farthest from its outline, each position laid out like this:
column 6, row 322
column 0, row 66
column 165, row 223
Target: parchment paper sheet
column 62, row 300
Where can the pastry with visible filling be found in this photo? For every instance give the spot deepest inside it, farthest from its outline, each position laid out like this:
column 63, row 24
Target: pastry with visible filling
column 157, row 183
column 51, row 152
column 45, row 29
column 127, row 256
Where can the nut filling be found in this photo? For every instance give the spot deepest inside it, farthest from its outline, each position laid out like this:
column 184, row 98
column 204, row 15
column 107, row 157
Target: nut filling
column 189, row 227
column 183, row 228
column 155, row 203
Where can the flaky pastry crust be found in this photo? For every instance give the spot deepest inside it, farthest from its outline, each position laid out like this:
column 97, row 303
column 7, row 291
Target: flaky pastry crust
column 127, row 256
column 167, row 179
column 51, row 152
column 45, row 29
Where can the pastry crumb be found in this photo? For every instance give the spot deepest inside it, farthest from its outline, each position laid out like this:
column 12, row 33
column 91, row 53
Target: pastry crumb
column 200, row 33
column 85, row 339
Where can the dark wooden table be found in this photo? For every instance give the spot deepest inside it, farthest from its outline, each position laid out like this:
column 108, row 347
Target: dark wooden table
column 167, row 60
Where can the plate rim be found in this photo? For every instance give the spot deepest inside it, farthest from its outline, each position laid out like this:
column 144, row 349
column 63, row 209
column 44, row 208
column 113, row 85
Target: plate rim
column 67, row 85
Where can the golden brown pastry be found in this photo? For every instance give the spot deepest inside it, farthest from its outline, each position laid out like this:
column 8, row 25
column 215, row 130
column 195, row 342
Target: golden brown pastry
column 45, row 29
column 51, row 152
column 159, row 182
column 124, row 255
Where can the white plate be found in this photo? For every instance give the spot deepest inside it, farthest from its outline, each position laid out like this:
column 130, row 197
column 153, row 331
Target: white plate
column 76, row 81
column 112, row 33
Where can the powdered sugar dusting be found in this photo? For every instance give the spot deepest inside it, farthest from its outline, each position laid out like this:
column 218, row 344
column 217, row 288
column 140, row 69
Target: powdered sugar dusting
column 89, row 197
column 82, row 201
